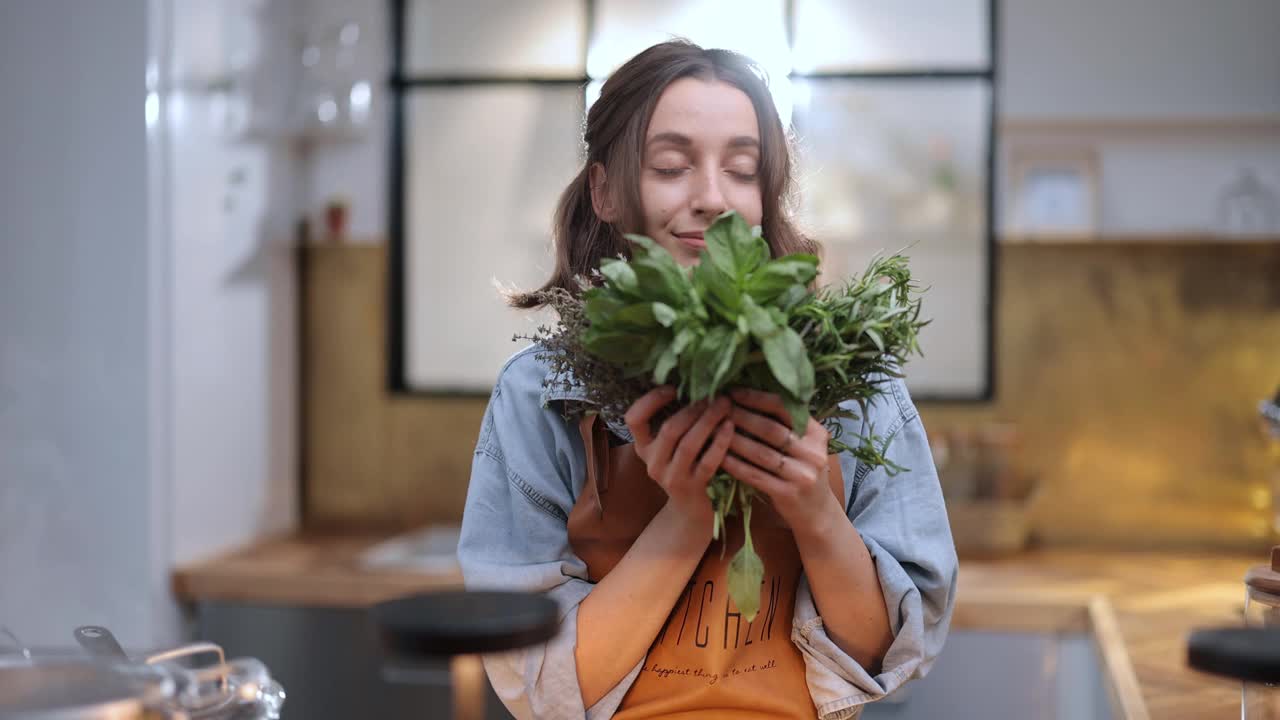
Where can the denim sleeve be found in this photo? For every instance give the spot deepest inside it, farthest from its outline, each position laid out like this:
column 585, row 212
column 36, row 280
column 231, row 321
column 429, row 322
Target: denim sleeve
column 903, row 522
column 525, row 474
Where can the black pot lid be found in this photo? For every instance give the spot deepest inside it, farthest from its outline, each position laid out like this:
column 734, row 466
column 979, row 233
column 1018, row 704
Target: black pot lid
column 442, row 624
column 1249, row 654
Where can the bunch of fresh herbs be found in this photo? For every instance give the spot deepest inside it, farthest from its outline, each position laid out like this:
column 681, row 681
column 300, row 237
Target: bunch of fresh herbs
column 737, row 319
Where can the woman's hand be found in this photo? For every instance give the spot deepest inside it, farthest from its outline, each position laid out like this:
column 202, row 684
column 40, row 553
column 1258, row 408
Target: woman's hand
column 675, row 456
column 765, row 454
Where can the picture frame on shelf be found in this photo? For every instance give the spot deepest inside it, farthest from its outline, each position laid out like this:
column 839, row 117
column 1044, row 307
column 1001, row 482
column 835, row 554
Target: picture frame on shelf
column 1053, row 194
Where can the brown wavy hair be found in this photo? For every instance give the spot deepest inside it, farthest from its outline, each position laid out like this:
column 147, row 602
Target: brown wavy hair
column 614, row 137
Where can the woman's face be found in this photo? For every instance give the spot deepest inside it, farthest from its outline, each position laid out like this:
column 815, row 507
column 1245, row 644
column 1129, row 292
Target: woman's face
column 701, row 158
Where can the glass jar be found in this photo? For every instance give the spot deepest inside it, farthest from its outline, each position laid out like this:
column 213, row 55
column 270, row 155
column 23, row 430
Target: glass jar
column 1261, row 701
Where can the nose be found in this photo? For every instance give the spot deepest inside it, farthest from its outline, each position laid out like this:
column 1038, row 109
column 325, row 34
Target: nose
column 708, row 198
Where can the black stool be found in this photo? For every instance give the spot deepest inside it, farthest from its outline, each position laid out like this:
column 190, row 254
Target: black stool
column 460, row 625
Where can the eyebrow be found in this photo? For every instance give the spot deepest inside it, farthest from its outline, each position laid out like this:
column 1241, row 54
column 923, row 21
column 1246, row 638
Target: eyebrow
column 682, row 140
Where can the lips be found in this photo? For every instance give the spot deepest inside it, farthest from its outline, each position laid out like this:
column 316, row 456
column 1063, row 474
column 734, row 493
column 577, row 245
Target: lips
column 692, row 239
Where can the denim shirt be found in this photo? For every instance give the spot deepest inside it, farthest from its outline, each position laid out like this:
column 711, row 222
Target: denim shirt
column 529, row 467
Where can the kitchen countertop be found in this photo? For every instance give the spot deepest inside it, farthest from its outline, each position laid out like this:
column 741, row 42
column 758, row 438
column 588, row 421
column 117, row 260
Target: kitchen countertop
column 1143, row 603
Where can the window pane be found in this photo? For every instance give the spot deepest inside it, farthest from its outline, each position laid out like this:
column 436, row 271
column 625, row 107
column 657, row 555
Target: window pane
column 531, row 37
column 625, row 27
column 902, row 165
column 484, row 169
column 874, row 35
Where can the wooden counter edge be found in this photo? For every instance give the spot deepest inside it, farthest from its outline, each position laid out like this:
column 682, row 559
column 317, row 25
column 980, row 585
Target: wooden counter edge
column 1126, row 692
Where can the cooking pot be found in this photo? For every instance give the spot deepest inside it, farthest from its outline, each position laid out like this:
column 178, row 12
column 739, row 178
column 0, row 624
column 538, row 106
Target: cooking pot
column 192, row 682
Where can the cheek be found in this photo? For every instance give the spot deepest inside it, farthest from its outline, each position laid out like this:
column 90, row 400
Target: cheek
column 746, row 200
column 660, row 202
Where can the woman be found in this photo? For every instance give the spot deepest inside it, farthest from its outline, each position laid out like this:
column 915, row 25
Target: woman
column 614, row 522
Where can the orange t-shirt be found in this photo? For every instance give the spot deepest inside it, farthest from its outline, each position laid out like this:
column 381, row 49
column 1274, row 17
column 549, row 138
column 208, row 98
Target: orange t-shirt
column 707, row 661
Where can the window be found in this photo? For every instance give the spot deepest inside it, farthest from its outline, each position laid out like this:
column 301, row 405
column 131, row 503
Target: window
column 892, row 105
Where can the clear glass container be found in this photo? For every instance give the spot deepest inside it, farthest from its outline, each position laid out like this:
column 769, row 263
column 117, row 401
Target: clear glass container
column 1261, row 701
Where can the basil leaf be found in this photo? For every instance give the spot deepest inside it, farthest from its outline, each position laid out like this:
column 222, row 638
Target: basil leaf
column 664, row 314
column 799, row 412
column 671, row 355
column 778, row 276
column 602, row 305
column 746, row 576
column 732, row 246
column 718, row 290
column 658, row 274
column 785, row 354
column 760, row 322
column 791, row 297
column 625, row 348
column 711, row 360
column 620, row 275
column 639, row 316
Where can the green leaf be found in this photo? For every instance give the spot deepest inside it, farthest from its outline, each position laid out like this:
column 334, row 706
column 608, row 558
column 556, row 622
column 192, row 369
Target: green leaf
column 639, row 316
column 627, row 349
column 711, row 361
column 718, row 289
column 759, row 321
column 671, row 355
column 664, row 314
column 619, row 274
column 779, row 276
column 791, row 297
column 601, row 305
column 784, row 352
column 732, row 246
column 799, row 412
column 875, row 338
column 658, row 275
column 746, row 575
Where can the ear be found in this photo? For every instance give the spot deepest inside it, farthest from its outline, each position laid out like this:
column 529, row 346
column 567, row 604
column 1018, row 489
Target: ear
column 601, row 199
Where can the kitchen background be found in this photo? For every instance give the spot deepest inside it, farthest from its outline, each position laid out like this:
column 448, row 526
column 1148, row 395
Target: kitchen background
column 183, row 372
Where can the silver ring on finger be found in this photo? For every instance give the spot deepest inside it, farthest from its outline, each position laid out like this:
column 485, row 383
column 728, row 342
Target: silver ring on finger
column 787, row 443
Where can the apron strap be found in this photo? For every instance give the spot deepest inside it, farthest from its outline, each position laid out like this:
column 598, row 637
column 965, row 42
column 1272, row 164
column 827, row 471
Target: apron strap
column 595, row 438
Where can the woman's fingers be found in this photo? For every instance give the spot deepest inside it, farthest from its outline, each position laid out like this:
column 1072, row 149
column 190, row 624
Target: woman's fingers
column 754, row 476
column 715, row 454
column 779, row 436
column 642, row 411
column 761, row 455
column 764, row 402
column 766, row 429
column 693, row 439
column 660, row 451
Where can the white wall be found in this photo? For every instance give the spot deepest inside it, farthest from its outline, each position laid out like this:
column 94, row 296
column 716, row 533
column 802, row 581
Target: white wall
column 77, row 544
column 147, row 332
column 1140, row 58
column 234, row 340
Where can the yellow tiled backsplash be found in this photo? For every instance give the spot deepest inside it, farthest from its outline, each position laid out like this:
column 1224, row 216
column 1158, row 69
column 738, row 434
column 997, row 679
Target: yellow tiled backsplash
column 1132, row 371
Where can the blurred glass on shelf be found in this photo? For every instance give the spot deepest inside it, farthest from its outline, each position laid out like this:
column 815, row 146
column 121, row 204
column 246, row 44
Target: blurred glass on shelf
column 335, row 98
column 1248, row 207
column 871, row 35
column 495, row 37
